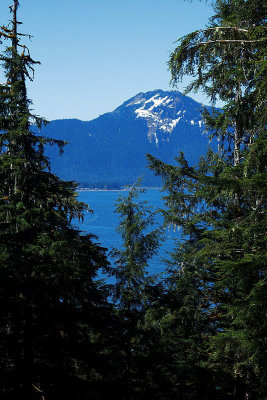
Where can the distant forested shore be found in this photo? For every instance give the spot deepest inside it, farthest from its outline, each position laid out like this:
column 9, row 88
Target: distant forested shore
column 113, row 188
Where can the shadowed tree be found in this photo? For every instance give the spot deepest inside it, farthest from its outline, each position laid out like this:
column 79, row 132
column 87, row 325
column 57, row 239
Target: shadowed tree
column 51, row 306
column 133, row 290
column 219, row 204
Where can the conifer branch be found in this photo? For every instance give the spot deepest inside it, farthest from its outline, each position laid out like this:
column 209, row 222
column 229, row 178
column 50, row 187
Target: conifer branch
column 217, row 28
column 228, row 41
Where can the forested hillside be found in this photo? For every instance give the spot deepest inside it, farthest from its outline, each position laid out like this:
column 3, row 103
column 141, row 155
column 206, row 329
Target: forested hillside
column 110, row 151
column 198, row 332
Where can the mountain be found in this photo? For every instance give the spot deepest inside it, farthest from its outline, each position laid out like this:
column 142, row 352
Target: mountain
column 110, row 151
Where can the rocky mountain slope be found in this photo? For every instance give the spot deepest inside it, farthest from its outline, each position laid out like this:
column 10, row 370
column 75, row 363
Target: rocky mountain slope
column 110, row 151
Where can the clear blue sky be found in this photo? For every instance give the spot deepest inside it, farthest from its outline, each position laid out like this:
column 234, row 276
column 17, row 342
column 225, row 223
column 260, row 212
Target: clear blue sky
column 95, row 54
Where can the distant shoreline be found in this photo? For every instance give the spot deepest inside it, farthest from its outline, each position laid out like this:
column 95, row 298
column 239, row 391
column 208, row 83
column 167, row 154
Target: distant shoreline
column 101, row 190
column 113, row 190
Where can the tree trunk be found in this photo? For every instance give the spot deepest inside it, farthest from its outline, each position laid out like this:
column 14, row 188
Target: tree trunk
column 15, row 24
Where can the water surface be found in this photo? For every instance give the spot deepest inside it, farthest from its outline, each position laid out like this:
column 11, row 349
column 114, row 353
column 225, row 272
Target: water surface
column 104, row 221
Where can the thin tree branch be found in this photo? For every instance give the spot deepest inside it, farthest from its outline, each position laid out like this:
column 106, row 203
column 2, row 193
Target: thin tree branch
column 228, row 41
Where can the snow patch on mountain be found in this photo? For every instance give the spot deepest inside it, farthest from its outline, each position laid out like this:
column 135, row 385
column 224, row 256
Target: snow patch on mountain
column 163, row 112
column 153, row 110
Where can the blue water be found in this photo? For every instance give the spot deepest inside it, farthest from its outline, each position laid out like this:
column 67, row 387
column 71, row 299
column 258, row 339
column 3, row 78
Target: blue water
column 104, row 220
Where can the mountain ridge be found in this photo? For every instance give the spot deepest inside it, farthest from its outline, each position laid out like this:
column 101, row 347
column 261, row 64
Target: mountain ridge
column 110, row 150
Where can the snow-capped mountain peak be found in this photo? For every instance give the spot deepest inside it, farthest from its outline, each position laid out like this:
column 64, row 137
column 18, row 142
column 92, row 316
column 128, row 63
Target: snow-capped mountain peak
column 163, row 111
column 110, row 151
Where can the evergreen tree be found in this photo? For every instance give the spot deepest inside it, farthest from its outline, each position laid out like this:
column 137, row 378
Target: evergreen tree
column 190, row 306
column 51, row 304
column 220, row 203
column 228, row 60
column 133, row 289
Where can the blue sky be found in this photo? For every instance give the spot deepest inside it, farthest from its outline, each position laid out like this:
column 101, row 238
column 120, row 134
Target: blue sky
column 95, row 54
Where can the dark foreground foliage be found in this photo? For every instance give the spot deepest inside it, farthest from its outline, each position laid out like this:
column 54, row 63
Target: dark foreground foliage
column 199, row 333
column 52, row 309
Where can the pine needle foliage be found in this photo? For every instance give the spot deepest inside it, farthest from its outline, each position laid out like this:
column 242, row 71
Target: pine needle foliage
column 220, row 204
column 134, row 290
column 49, row 299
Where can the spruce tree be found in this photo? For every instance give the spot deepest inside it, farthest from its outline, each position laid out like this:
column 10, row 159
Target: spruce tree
column 51, row 305
column 220, row 203
column 190, row 305
column 133, row 289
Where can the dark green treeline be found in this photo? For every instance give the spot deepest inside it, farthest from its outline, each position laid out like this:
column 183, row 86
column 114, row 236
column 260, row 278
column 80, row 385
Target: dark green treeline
column 52, row 309
column 199, row 332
